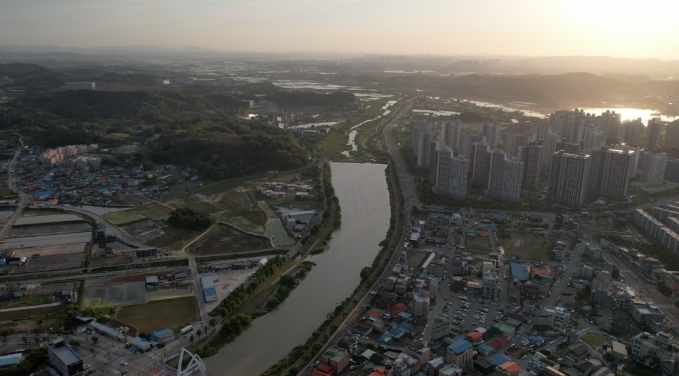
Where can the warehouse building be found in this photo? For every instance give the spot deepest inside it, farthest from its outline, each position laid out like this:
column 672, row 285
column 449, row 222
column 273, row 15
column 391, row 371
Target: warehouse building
column 209, row 290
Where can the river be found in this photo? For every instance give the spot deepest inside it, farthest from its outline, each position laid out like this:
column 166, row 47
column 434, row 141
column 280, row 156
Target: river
column 363, row 197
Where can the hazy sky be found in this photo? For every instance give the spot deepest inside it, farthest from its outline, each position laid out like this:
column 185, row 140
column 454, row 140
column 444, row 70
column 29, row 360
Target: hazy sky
column 620, row 28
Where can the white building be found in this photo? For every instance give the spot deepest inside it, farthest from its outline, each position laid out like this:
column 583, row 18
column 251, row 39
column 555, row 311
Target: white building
column 661, row 346
column 441, row 326
column 491, row 284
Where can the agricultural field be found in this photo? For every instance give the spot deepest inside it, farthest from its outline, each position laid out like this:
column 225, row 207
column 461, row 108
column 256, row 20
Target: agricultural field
column 31, row 300
column 106, row 291
column 158, row 315
column 123, row 218
column 174, row 238
column 226, row 239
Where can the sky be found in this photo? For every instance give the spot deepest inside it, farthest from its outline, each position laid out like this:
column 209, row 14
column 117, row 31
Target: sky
column 618, row 28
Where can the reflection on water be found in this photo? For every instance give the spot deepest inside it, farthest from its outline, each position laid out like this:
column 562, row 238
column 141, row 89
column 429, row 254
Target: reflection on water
column 626, row 113
column 361, row 189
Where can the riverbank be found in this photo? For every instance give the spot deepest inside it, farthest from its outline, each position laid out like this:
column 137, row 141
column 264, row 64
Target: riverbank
column 298, row 358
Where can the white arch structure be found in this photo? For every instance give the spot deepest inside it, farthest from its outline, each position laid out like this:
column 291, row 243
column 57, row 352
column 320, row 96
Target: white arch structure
column 195, row 364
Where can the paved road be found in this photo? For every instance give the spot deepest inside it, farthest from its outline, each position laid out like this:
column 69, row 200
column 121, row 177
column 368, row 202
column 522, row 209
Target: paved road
column 11, row 183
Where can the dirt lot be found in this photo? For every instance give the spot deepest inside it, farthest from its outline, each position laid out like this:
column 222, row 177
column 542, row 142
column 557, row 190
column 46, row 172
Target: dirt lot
column 51, row 250
column 227, row 239
column 158, row 315
column 174, row 238
column 226, row 281
column 108, row 291
column 47, row 263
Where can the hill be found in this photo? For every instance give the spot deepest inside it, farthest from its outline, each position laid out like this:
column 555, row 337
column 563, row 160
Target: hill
column 241, row 148
column 100, row 105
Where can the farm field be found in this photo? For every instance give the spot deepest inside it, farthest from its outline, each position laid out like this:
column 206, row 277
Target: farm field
column 158, row 315
column 123, row 218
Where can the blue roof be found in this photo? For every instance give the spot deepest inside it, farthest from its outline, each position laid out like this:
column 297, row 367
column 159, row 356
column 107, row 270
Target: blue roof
column 405, row 315
column 210, row 291
column 406, row 325
column 8, row 360
column 163, row 333
column 45, row 193
column 460, row 346
column 384, row 338
column 499, row 360
column 395, row 332
column 518, row 271
column 207, row 281
column 536, row 338
column 485, row 348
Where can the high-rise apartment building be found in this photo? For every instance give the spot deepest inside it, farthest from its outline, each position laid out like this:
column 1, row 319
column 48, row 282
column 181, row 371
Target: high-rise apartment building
column 531, row 156
column 466, row 141
column 653, row 135
column 549, row 147
column 568, row 177
column 592, row 139
column 540, row 131
column 652, row 168
column 492, row 133
column 631, row 130
column 479, row 165
column 511, row 142
column 451, row 174
column 505, row 177
column 450, row 130
column 672, row 136
column 610, row 172
column 568, row 147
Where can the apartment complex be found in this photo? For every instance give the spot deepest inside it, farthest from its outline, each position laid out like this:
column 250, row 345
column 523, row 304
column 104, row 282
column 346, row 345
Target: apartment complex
column 568, row 178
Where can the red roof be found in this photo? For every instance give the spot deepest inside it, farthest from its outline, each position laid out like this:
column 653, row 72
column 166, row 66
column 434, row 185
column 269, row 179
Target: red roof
column 539, row 271
column 322, row 370
column 379, row 371
column 475, row 336
column 511, row 367
column 397, row 308
column 374, row 313
column 502, row 340
column 494, row 344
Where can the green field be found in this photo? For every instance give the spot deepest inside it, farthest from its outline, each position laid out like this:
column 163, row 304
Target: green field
column 158, row 315
column 31, row 300
column 526, row 247
column 123, row 218
column 593, row 339
column 333, row 144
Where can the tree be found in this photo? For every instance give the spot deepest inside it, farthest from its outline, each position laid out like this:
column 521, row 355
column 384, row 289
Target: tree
column 95, row 339
column 75, row 343
column 213, row 322
column 199, row 332
column 365, row 273
column 191, row 338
